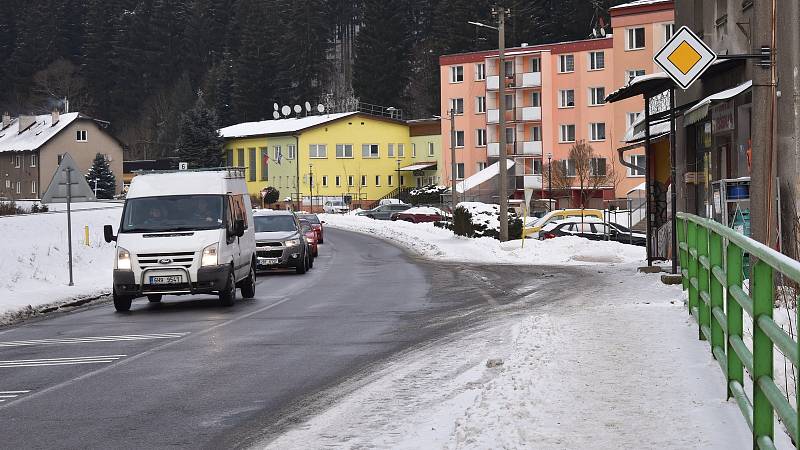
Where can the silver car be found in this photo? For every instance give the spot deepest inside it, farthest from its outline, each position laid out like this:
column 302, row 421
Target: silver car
column 384, row 212
column 280, row 242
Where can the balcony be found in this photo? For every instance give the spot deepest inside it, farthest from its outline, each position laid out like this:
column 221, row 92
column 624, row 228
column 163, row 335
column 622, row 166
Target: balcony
column 493, row 116
column 532, row 113
column 492, row 83
column 493, row 150
column 532, row 148
column 531, row 79
column 532, row 181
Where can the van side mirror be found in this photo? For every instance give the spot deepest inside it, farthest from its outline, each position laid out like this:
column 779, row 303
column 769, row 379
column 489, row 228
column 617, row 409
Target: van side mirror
column 108, row 233
column 238, row 227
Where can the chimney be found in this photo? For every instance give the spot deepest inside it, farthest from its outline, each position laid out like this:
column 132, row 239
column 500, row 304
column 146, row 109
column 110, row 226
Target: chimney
column 6, row 120
column 55, row 116
column 25, row 122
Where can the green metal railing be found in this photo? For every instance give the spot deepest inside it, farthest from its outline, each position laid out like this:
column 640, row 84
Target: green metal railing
column 711, row 257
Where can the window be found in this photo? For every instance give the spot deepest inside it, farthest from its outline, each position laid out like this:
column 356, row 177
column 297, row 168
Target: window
column 480, row 137
column 536, row 65
column 430, row 149
column 480, row 105
column 640, row 162
column 402, row 180
column 537, row 166
column 413, row 150
column 456, row 74
column 633, row 74
column 567, row 133
column 401, row 150
column 80, row 136
column 536, row 133
column 509, row 65
column 324, row 181
column 34, row 158
column 338, row 181
column 8, row 184
column 459, row 171
column 18, row 161
column 344, row 150
column 669, row 30
column 363, row 181
column 597, row 96
column 19, row 187
column 480, row 72
column 350, row 180
column 278, row 154
column 292, row 150
column 457, row 105
column 536, row 99
column 317, row 151
column 511, row 135
column 509, row 102
column 265, row 162
column 597, row 131
column 597, row 167
column 228, row 157
column 568, row 167
column 377, row 180
column 390, row 151
column 459, row 138
column 251, row 153
column 566, row 98
column 597, row 60
column 481, row 165
column 634, row 39
column 632, row 117
column 369, row 151
column 566, row 63
column 33, row 187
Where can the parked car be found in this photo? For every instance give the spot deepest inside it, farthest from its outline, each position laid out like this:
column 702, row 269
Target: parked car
column 316, row 224
column 421, row 214
column 280, row 243
column 391, row 201
column 335, row 207
column 384, row 212
column 592, row 228
column 533, row 229
column 184, row 233
column 311, row 238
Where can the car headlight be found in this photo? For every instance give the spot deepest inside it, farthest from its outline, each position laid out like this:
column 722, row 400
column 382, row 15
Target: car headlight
column 310, row 240
column 209, row 256
column 291, row 242
column 123, row 259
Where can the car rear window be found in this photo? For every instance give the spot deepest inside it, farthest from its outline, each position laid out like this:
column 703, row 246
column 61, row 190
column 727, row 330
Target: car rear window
column 310, row 217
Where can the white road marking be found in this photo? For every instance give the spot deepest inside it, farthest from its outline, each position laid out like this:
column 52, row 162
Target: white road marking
column 61, row 361
column 8, row 395
column 92, row 339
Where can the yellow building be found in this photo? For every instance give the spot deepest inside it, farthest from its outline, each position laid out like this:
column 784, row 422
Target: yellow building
column 355, row 155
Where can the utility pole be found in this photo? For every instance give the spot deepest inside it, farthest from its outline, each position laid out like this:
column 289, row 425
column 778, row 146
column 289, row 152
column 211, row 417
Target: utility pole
column 501, row 12
column 311, row 187
column 764, row 79
column 453, row 196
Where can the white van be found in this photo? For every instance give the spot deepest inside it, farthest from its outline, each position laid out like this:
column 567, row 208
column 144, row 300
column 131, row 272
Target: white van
column 187, row 232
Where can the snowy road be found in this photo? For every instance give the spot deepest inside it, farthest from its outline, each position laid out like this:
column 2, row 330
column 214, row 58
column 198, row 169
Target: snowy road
column 189, row 373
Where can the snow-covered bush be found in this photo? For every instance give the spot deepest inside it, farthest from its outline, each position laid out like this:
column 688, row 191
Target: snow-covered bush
column 475, row 219
column 427, row 195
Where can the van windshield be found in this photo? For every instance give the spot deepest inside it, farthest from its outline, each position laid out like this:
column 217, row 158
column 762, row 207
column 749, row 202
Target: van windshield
column 173, row 213
column 269, row 224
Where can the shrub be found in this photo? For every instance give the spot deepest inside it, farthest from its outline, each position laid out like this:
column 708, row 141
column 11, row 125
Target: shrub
column 272, row 195
column 428, row 195
column 462, row 222
column 11, row 208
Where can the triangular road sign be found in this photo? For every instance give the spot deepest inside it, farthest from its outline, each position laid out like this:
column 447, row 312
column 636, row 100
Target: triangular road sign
column 57, row 191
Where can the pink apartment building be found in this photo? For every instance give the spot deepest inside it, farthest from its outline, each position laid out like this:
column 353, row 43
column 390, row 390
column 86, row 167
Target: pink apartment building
column 555, row 96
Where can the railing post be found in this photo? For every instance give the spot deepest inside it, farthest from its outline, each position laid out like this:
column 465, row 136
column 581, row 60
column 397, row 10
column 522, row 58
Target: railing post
column 733, row 270
column 704, row 308
column 761, row 290
column 715, row 259
column 692, row 240
column 681, row 225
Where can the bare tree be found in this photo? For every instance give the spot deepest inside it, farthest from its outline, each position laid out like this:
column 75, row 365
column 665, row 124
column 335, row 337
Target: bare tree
column 59, row 82
column 585, row 172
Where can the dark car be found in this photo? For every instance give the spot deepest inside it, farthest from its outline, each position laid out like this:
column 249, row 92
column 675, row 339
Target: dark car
column 420, row 214
column 316, row 224
column 280, row 242
column 384, row 212
column 311, row 237
column 593, row 230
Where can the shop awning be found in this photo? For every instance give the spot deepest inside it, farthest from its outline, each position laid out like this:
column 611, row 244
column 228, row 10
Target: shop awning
column 420, row 166
column 699, row 111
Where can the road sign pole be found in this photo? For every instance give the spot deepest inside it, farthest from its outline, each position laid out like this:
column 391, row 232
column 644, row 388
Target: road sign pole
column 69, row 221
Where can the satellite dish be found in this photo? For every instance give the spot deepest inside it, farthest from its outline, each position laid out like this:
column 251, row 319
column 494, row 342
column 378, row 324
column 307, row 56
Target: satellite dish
column 297, row 109
column 275, row 105
column 276, row 114
column 286, row 110
column 603, row 32
column 308, row 107
column 321, row 108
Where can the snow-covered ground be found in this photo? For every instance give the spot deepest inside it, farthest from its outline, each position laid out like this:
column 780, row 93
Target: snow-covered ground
column 437, row 243
column 617, row 367
column 34, row 263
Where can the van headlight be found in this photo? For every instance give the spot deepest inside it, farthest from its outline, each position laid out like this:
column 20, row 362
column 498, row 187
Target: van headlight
column 123, row 259
column 209, row 256
column 291, row 242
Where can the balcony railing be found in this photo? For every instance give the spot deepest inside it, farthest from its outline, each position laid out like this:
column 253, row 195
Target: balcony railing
column 531, row 79
column 524, row 114
column 532, row 113
column 532, row 148
column 520, row 80
column 493, row 116
column 532, row 181
column 492, row 83
column 520, row 148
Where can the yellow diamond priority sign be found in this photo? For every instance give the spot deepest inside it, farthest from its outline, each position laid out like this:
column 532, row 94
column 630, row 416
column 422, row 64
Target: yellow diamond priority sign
column 685, row 57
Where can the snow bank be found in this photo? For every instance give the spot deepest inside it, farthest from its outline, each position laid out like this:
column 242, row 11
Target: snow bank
column 34, row 263
column 436, row 243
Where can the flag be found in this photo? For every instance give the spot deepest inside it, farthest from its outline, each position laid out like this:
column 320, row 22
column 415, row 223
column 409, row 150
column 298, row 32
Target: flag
column 278, row 156
column 266, row 158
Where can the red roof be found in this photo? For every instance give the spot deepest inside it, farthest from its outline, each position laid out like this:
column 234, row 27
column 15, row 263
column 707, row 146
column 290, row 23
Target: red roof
column 555, row 48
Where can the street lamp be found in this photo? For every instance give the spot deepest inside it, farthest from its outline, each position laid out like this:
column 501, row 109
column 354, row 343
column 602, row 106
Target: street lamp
column 501, row 12
column 549, row 181
column 453, row 193
column 399, row 185
column 311, row 187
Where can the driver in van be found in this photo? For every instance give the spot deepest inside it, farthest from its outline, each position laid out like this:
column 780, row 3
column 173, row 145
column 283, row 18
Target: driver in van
column 154, row 216
column 203, row 212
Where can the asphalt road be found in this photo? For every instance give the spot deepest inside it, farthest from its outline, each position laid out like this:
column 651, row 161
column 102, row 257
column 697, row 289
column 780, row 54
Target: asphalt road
column 189, row 373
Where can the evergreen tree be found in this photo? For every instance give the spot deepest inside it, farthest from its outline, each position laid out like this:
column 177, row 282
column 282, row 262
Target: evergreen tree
column 101, row 174
column 199, row 142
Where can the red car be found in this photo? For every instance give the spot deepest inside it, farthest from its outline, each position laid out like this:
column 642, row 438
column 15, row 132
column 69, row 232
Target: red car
column 316, row 224
column 310, row 235
column 421, row 214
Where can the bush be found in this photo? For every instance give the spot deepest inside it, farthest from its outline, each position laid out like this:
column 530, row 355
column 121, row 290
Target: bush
column 428, row 195
column 11, row 208
column 473, row 219
column 272, row 195
column 462, row 222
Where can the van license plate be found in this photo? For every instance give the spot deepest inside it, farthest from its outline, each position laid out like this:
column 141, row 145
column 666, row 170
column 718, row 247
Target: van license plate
column 268, row 261
column 172, row 279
